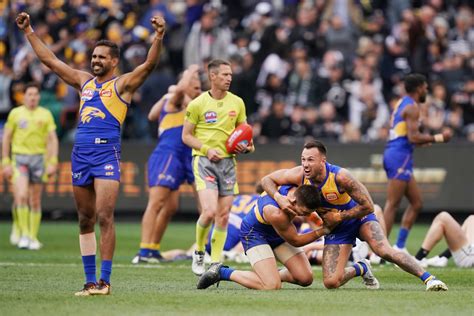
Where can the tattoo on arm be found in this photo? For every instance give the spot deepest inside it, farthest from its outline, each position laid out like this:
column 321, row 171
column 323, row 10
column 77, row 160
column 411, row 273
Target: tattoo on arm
column 358, row 192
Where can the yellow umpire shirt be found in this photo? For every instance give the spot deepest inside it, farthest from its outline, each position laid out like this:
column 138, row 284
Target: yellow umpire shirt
column 215, row 119
column 30, row 129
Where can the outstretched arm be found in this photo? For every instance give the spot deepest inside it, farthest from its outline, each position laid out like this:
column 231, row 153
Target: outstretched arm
column 128, row 83
column 71, row 76
column 180, row 91
column 411, row 115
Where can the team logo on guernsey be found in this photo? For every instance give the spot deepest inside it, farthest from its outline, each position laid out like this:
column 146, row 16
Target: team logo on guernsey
column 330, row 196
column 109, row 167
column 107, row 93
column 87, row 94
column 89, row 112
column 210, row 117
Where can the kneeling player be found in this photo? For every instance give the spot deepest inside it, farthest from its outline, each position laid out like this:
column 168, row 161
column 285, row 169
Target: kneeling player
column 267, row 234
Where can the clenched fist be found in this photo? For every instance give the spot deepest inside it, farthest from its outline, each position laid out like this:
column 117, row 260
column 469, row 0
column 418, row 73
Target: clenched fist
column 159, row 25
column 23, row 20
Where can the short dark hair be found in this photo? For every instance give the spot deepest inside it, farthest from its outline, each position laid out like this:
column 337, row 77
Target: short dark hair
column 113, row 48
column 308, row 196
column 32, row 85
column 413, row 82
column 216, row 63
column 316, row 144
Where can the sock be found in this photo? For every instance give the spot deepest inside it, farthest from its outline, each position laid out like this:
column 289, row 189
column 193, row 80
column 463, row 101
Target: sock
column 201, row 236
column 88, row 245
column 106, row 270
column 145, row 249
column 422, row 253
column 89, row 268
column 425, row 277
column 15, row 225
column 446, row 253
column 224, row 273
column 218, row 238
column 402, row 237
column 35, row 221
column 23, row 215
column 360, row 268
column 155, row 249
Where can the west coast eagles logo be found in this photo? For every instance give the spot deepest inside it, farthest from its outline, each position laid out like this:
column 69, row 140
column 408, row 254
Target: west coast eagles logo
column 89, row 112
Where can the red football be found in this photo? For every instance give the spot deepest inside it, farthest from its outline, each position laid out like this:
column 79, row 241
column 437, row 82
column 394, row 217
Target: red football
column 241, row 134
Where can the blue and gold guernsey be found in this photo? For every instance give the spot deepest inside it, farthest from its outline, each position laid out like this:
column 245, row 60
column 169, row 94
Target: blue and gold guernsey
column 332, row 197
column 398, row 137
column 96, row 152
column 398, row 160
column 255, row 230
column 170, row 164
column 101, row 114
column 241, row 206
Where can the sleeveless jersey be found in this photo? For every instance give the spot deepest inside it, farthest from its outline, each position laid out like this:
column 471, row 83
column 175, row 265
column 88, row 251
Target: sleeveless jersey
column 255, row 217
column 398, row 137
column 170, row 129
column 331, row 196
column 101, row 114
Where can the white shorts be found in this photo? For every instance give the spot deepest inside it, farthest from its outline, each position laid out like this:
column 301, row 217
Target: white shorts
column 464, row 257
column 283, row 252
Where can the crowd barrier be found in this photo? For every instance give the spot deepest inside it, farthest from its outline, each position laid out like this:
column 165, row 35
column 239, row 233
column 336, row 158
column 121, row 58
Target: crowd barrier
column 444, row 172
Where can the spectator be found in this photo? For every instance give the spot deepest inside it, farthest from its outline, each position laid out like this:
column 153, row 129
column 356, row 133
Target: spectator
column 276, row 125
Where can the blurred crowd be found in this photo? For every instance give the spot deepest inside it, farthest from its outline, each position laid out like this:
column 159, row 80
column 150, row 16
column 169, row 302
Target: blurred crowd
column 329, row 69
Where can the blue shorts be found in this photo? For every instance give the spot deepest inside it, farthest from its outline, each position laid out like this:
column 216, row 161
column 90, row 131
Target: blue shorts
column 398, row 164
column 250, row 237
column 347, row 231
column 169, row 169
column 88, row 163
column 232, row 239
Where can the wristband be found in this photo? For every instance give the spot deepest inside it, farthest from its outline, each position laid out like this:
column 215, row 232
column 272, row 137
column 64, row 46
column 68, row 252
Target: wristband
column 53, row 161
column 6, row 161
column 439, row 138
column 204, row 149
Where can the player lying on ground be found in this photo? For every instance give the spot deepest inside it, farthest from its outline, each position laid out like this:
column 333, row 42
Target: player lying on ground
column 460, row 240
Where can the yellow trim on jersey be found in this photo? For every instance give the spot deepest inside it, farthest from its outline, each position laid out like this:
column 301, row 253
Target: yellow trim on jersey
column 215, row 120
column 259, row 216
column 400, row 129
column 172, row 120
column 30, row 129
column 332, row 194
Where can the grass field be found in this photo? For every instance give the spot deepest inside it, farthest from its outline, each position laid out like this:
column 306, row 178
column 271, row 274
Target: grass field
column 43, row 283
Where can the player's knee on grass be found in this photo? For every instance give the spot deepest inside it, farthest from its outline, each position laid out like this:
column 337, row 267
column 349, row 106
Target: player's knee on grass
column 332, row 283
column 271, row 285
column 305, row 280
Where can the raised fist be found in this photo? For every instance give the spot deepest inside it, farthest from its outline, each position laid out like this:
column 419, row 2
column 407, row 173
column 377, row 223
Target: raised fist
column 159, row 24
column 23, row 20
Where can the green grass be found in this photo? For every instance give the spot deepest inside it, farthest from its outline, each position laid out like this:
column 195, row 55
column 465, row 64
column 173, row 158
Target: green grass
column 43, row 283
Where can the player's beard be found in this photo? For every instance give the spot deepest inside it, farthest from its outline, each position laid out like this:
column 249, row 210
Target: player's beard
column 102, row 70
